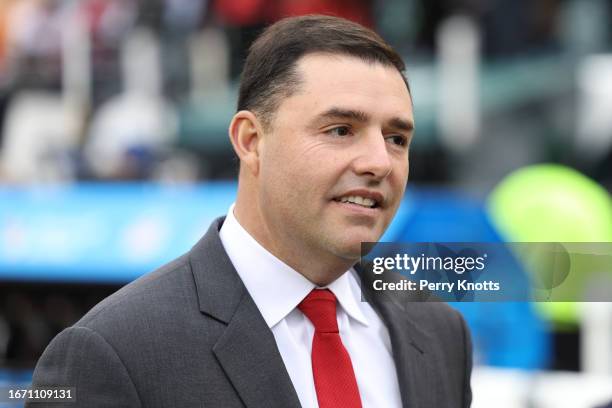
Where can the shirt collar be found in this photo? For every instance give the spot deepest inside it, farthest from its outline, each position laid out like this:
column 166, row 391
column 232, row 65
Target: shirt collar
column 348, row 292
column 275, row 287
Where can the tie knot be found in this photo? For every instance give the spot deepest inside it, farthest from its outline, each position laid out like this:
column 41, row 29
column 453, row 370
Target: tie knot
column 320, row 308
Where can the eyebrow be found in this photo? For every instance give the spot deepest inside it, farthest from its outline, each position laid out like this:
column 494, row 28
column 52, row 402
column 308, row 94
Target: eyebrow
column 402, row 124
column 361, row 116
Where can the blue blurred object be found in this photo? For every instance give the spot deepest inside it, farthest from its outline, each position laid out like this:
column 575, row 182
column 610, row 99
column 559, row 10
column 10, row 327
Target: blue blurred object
column 109, row 233
column 508, row 334
column 15, row 379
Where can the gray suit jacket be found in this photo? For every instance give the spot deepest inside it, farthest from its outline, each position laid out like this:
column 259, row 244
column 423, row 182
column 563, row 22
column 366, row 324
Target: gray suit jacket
column 190, row 335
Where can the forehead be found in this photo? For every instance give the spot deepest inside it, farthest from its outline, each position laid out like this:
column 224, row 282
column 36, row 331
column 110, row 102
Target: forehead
column 337, row 80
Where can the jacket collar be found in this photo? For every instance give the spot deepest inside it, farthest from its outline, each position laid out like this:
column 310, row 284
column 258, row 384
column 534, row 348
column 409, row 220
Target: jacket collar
column 246, row 350
column 409, row 342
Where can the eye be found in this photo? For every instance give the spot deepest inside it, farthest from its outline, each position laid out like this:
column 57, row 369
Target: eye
column 339, row 131
column 398, row 140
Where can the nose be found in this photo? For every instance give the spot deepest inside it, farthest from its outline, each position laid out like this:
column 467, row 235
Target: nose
column 373, row 159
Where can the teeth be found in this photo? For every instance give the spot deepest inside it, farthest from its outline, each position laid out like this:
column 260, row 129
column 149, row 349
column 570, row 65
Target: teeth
column 368, row 202
column 365, row 202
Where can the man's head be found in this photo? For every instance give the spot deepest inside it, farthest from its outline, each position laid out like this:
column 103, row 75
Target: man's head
column 324, row 116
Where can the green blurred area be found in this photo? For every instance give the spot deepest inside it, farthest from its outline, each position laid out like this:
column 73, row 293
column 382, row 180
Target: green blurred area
column 551, row 203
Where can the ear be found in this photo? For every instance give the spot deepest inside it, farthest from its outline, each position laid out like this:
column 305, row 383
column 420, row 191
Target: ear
column 246, row 133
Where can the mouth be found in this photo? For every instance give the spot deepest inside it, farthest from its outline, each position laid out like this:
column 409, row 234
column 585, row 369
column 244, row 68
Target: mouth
column 361, row 198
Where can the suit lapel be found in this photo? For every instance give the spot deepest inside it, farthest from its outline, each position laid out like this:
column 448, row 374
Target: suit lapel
column 248, row 353
column 246, row 350
column 409, row 345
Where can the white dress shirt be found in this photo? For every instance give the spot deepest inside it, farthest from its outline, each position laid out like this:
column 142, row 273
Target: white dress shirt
column 277, row 289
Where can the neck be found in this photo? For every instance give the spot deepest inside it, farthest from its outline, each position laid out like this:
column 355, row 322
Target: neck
column 320, row 269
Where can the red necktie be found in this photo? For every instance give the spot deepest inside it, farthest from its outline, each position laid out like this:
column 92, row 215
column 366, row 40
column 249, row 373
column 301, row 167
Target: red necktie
column 332, row 370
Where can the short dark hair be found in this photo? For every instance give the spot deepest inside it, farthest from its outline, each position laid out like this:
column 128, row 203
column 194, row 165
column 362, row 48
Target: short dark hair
column 269, row 72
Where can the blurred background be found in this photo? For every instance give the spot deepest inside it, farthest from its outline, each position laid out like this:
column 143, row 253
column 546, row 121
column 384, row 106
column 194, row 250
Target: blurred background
column 114, row 158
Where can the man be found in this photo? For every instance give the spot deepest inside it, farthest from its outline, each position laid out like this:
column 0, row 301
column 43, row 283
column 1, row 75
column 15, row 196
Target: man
column 265, row 310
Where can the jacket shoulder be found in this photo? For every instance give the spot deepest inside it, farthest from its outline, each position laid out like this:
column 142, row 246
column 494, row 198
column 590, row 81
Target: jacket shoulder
column 168, row 287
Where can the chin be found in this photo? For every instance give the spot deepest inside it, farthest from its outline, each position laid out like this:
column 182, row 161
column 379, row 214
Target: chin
column 351, row 256
column 351, row 251
column 347, row 245
column 358, row 237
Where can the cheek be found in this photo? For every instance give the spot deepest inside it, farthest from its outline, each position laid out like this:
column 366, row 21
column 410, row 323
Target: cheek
column 281, row 182
column 298, row 171
column 401, row 170
column 306, row 166
column 398, row 182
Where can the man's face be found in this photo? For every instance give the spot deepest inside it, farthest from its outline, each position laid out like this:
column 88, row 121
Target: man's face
column 334, row 165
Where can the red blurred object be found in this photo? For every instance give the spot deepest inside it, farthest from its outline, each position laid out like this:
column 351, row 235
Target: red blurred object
column 359, row 11
column 240, row 13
